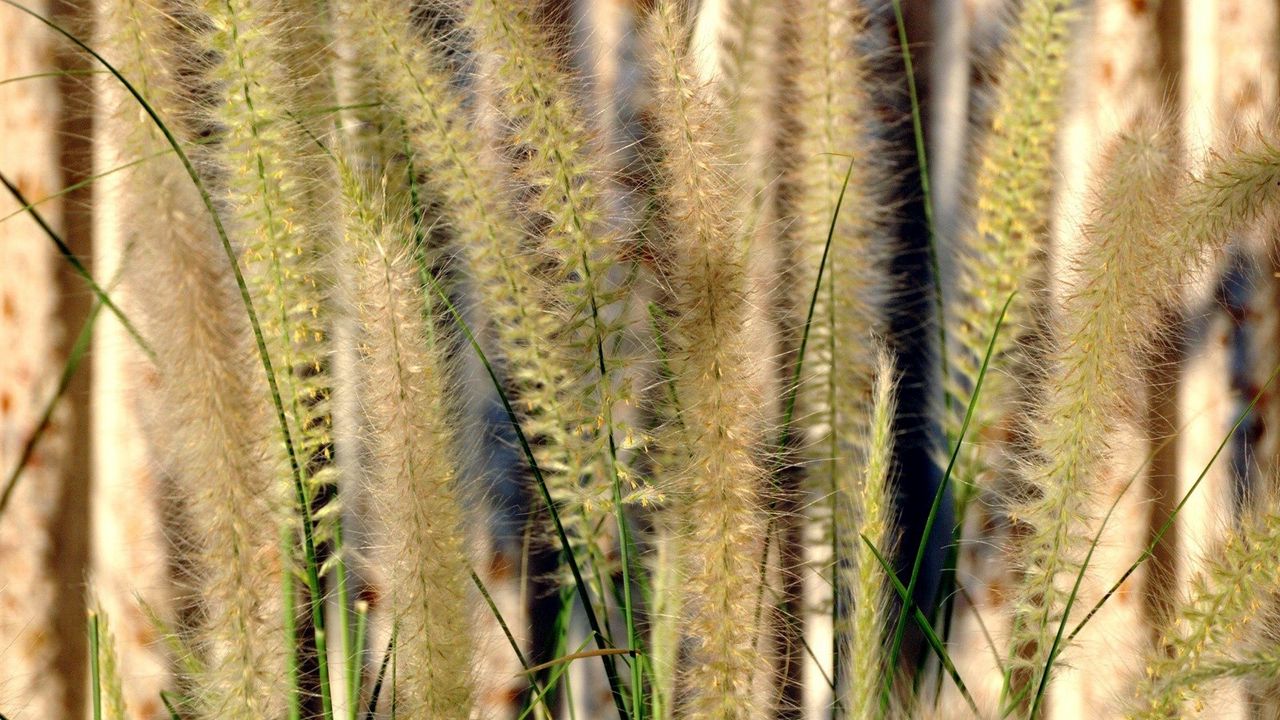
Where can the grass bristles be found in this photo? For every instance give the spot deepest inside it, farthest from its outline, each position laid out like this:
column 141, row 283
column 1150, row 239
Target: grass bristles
column 490, row 242
column 543, row 125
column 1219, row 624
column 1011, row 188
column 723, row 524
column 211, row 419
column 1107, row 321
column 262, row 149
column 864, row 510
column 415, row 471
column 471, row 190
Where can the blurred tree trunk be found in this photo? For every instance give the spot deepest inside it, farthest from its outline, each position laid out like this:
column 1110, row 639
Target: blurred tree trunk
column 43, row 528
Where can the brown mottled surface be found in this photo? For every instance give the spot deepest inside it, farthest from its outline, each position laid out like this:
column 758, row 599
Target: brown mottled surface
column 31, row 686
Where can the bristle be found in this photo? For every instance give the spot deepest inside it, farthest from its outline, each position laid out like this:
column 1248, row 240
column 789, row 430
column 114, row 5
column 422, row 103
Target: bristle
column 1218, row 624
column 996, row 257
column 212, row 422
column 490, row 242
column 545, row 127
column 1105, row 325
column 264, row 153
column 864, row 511
column 413, row 480
column 714, row 377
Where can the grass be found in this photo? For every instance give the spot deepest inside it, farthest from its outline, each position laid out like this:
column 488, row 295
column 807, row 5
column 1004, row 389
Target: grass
column 654, row 388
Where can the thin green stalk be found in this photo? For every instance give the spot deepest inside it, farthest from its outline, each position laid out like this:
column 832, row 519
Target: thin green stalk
column 291, row 630
column 95, row 677
column 51, row 73
column 900, row 632
column 611, row 671
column 351, row 648
column 82, row 183
column 168, row 706
column 922, row 159
column 372, row 711
column 356, row 660
column 1168, row 523
column 935, row 643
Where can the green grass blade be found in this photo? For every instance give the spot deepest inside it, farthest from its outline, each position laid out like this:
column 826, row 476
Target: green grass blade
column 561, row 666
column 83, row 183
column 922, row 160
column 371, row 713
column 76, row 265
column 355, row 660
column 900, row 632
column 602, row 643
column 925, row 626
column 793, row 391
column 95, row 661
column 51, row 73
column 168, row 706
column 1168, row 523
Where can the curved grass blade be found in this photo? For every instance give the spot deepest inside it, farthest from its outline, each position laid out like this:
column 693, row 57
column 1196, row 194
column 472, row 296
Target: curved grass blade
column 511, row 640
column 1168, row 523
column 51, row 73
column 901, row 630
column 922, row 160
column 95, row 673
column 602, row 643
column 83, row 183
column 371, row 713
column 168, row 706
column 925, row 626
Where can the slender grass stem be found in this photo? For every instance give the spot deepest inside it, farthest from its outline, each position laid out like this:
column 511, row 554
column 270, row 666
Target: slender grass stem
column 935, row 643
column 95, row 675
column 901, row 629
column 566, row 547
column 922, row 160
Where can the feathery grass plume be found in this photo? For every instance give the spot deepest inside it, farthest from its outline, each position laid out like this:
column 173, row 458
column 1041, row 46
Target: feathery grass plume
column 547, row 131
column 262, row 151
column 415, row 468
column 748, row 87
column 466, row 177
column 1105, row 323
column 211, row 420
column 1217, row 622
column 722, row 519
column 1014, row 177
column 834, row 138
column 864, row 508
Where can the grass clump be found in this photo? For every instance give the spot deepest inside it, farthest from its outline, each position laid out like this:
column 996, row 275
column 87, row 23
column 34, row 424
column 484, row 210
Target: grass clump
column 695, row 390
